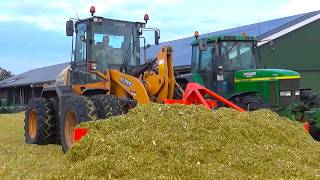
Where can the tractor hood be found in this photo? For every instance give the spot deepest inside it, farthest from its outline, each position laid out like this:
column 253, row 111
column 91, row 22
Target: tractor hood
column 264, row 75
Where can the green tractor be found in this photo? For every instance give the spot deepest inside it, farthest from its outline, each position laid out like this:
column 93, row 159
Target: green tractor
column 226, row 65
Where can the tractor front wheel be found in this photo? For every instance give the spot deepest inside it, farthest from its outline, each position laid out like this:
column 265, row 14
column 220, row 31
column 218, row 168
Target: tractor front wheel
column 249, row 102
column 76, row 110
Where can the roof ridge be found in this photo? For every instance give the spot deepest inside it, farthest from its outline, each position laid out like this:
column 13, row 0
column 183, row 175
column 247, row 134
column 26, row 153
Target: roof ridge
column 208, row 33
column 303, row 16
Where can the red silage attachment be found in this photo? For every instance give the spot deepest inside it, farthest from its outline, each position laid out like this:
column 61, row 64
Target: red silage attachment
column 195, row 93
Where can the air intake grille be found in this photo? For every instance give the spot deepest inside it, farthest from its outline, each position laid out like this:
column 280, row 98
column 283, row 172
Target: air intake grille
column 289, row 85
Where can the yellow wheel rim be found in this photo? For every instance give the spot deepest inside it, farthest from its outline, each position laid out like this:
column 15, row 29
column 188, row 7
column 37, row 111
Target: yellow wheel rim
column 69, row 125
column 33, row 124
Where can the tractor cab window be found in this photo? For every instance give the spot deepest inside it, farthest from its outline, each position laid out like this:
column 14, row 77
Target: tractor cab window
column 203, row 63
column 115, row 43
column 237, row 55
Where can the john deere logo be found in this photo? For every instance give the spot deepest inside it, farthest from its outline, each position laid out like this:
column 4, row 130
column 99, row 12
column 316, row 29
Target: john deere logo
column 126, row 82
column 249, row 74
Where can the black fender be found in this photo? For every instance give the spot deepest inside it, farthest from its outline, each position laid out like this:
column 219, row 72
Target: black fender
column 94, row 91
column 245, row 93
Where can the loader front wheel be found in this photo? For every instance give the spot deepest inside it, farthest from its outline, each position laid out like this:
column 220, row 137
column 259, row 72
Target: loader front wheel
column 39, row 122
column 109, row 106
column 76, row 110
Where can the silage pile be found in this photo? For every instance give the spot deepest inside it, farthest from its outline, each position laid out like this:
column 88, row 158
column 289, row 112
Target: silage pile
column 175, row 141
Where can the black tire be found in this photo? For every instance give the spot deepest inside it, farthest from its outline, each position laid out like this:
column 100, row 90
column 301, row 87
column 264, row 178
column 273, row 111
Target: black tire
column 76, row 110
column 55, row 103
column 314, row 132
column 309, row 99
column 250, row 102
column 109, row 106
column 39, row 122
column 178, row 92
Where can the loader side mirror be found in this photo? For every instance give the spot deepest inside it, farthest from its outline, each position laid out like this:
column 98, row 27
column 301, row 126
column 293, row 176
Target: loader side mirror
column 156, row 37
column 69, row 28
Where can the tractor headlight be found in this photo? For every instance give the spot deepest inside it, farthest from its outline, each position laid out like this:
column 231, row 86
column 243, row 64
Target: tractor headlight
column 285, row 93
column 297, row 93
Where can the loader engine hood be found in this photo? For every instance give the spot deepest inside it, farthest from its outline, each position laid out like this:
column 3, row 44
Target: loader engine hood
column 264, row 75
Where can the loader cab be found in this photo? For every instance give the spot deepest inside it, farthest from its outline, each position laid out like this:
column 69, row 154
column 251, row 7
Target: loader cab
column 216, row 59
column 101, row 44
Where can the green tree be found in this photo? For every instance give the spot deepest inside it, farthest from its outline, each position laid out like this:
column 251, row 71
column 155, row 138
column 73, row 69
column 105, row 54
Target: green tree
column 4, row 74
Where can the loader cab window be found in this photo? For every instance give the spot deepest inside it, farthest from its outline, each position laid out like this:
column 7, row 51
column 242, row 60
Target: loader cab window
column 115, row 42
column 79, row 74
column 81, row 45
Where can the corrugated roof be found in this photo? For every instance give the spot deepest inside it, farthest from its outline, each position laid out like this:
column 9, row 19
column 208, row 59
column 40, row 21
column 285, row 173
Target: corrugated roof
column 182, row 47
column 35, row 76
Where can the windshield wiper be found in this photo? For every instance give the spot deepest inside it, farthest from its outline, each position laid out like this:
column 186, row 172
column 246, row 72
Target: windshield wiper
column 227, row 53
column 128, row 54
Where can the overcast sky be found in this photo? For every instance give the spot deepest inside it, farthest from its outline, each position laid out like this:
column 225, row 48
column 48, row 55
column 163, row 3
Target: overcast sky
column 33, row 31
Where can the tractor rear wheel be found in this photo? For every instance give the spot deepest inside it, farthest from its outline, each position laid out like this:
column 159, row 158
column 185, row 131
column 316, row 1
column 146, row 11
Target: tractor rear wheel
column 314, row 132
column 76, row 110
column 109, row 106
column 39, row 122
column 309, row 99
column 178, row 92
column 250, row 102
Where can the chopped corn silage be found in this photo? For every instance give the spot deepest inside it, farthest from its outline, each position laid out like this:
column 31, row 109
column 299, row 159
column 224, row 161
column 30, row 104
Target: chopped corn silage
column 176, row 141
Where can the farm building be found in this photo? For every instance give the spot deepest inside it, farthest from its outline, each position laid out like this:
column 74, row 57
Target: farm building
column 17, row 90
column 295, row 42
column 294, row 46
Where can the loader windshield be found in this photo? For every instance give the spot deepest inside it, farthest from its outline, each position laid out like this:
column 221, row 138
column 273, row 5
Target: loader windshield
column 113, row 43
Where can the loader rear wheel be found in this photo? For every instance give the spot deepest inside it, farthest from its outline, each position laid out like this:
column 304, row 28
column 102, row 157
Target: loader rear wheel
column 250, row 102
column 55, row 103
column 76, row 110
column 109, row 106
column 39, row 122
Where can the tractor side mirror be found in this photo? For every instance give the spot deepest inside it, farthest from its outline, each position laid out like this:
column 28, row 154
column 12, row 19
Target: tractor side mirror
column 83, row 39
column 69, row 28
column 272, row 45
column 156, row 37
column 203, row 45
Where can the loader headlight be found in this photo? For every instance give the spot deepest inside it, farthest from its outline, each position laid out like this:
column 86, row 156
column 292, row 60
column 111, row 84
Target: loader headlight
column 97, row 19
column 297, row 93
column 285, row 93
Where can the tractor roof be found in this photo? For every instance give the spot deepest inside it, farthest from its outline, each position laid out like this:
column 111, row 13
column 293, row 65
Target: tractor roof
column 225, row 38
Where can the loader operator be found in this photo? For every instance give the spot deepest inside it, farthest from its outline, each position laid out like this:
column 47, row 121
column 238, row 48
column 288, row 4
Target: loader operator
column 103, row 50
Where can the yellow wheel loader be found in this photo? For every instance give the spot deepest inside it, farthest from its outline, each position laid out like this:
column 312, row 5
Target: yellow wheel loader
column 105, row 78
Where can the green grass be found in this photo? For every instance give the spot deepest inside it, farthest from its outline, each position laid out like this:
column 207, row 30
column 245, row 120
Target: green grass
column 19, row 160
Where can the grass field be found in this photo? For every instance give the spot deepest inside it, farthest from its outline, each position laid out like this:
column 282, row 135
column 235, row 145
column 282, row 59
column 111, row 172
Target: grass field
column 243, row 147
column 19, row 160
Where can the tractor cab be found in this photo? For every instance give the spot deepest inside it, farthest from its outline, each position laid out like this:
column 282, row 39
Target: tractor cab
column 217, row 58
column 101, row 44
